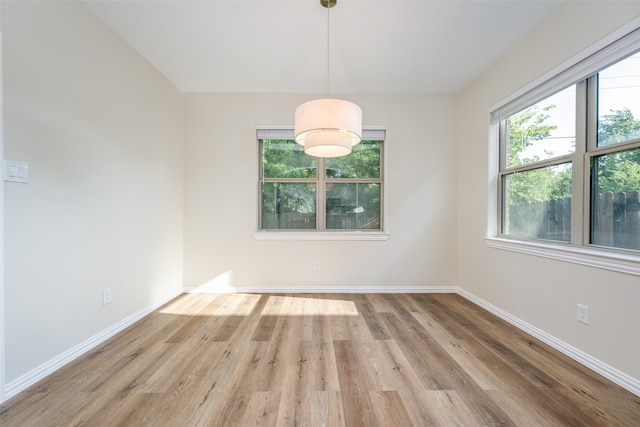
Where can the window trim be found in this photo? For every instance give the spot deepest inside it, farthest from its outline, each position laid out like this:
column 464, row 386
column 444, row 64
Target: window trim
column 616, row 47
column 321, row 235
column 593, row 256
column 369, row 132
column 579, row 70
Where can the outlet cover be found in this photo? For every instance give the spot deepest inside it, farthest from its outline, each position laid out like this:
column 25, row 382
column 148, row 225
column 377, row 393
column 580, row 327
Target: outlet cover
column 583, row 314
column 106, row 296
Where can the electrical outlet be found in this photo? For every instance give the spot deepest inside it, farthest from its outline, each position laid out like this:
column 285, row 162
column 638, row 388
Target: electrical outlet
column 106, row 296
column 583, row 314
column 316, row 266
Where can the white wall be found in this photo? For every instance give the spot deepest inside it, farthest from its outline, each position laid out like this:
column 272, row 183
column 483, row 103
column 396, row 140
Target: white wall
column 102, row 132
column 221, row 173
column 540, row 291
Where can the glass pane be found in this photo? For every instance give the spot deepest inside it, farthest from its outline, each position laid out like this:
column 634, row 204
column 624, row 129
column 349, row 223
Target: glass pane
column 615, row 209
column 537, row 203
column 363, row 162
column 288, row 206
column 283, row 158
column 353, row 206
column 619, row 102
column 544, row 130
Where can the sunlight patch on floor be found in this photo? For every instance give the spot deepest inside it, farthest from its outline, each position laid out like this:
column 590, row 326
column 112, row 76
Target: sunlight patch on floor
column 243, row 304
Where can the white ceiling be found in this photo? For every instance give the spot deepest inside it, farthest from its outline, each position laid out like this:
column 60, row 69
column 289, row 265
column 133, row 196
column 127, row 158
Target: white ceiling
column 384, row 46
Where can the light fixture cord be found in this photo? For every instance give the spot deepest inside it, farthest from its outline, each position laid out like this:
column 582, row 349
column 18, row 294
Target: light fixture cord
column 328, row 49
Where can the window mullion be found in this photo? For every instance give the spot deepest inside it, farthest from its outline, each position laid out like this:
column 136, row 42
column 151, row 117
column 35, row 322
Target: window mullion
column 502, row 164
column 592, row 113
column 580, row 197
column 503, row 134
column 590, row 143
column 321, row 194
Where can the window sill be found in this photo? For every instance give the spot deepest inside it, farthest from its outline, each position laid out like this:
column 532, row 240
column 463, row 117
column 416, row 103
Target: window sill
column 592, row 257
column 321, row 235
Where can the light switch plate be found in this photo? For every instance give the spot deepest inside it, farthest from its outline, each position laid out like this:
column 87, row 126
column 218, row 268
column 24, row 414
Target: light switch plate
column 16, row 171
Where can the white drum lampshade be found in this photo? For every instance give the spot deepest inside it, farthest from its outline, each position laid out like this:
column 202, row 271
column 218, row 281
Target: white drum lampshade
column 328, row 127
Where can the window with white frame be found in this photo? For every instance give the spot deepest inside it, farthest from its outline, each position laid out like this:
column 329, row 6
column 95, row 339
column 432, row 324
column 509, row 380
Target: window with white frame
column 298, row 192
column 569, row 167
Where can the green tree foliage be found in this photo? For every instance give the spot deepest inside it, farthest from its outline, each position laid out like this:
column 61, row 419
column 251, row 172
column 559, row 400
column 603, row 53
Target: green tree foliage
column 363, row 162
column 296, row 201
column 283, row 158
column 525, row 128
column 286, row 159
column 619, row 126
column 537, row 185
column 616, row 172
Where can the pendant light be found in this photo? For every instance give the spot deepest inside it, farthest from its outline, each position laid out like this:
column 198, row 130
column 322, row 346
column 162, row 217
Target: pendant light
column 328, row 127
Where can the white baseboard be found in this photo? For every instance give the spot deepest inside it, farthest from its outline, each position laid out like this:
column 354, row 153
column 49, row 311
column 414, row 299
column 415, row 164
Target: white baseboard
column 217, row 289
column 620, row 378
column 23, row 382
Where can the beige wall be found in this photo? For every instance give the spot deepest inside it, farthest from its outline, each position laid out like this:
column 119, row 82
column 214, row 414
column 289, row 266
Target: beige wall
column 2, row 305
column 104, row 136
column 102, row 132
column 540, row 291
column 221, row 197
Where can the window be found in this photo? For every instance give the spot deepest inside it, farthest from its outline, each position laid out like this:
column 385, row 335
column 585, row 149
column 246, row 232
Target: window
column 569, row 168
column 615, row 159
column 298, row 192
column 538, row 143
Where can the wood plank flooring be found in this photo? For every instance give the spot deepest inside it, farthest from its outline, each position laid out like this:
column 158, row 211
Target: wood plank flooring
column 322, row 360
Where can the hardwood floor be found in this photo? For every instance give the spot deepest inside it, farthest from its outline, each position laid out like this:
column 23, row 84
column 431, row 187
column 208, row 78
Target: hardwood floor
column 322, row 360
